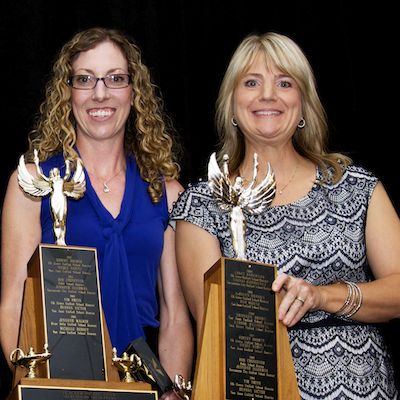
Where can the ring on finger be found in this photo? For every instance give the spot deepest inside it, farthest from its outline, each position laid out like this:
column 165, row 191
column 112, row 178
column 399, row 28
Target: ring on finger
column 300, row 299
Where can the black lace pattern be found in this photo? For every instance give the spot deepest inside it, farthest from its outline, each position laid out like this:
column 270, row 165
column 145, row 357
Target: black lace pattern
column 319, row 238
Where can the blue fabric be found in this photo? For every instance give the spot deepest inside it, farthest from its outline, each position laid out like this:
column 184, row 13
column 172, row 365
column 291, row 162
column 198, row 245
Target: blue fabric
column 128, row 247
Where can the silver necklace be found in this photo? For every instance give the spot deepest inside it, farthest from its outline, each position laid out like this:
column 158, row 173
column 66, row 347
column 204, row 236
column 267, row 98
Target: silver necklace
column 106, row 188
column 290, row 180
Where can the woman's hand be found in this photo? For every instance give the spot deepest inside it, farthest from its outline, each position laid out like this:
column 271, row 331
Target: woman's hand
column 298, row 297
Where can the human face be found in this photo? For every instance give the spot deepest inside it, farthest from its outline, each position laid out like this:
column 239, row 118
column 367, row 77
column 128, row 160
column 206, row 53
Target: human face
column 267, row 104
column 101, row 113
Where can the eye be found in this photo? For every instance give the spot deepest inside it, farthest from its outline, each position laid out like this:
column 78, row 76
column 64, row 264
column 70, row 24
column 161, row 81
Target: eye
column 82, row 79
column 251, row 83
column 116, row 78
column 284, row 83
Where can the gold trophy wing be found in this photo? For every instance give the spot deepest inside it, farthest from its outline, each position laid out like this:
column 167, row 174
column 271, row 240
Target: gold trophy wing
column 219, row 184
column 256, row 200
column 76, row 187
column 37, row 187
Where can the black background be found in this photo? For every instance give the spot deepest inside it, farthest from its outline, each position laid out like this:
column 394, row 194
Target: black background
column 352, row 47
column 187, row 46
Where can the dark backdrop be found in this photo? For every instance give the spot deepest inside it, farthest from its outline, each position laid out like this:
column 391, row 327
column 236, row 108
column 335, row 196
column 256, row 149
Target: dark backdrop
column 187, row 46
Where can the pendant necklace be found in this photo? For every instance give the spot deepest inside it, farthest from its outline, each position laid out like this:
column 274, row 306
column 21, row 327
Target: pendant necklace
column 106, row 188
column 280, row 191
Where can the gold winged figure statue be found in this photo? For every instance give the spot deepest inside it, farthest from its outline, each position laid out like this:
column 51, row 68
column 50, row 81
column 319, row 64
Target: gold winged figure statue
column 58, row 187
column 239, row 199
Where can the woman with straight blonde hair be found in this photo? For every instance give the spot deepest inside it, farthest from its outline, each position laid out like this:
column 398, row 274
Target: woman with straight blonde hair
column 330, row 228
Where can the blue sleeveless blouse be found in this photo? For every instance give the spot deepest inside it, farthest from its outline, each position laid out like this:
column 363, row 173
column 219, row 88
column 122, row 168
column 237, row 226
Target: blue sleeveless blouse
column 128, row 247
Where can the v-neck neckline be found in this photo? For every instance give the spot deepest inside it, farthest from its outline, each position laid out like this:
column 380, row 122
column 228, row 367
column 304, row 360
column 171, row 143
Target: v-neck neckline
column 127, row 198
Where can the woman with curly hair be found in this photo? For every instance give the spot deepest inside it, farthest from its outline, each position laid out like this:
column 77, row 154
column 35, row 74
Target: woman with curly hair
column 102, row 107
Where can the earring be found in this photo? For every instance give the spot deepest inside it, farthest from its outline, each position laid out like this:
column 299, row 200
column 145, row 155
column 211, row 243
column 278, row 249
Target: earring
column 233, row 121
column 302, row 123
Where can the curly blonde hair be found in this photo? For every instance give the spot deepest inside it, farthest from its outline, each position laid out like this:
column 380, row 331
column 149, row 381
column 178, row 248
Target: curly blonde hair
column 285, row 54
column 149, row 135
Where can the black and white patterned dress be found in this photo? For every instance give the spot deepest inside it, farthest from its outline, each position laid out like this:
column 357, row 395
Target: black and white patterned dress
column 320, row 238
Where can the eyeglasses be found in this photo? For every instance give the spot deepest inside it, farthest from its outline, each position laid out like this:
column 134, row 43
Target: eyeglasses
column 88, row 82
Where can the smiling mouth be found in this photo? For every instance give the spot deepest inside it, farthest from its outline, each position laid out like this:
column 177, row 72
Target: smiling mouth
column 100, row 113
column 267, row 113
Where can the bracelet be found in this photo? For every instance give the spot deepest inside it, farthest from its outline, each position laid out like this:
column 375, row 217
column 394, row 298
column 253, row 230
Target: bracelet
column 357, row 301
column 353, row 301
column 346, row 302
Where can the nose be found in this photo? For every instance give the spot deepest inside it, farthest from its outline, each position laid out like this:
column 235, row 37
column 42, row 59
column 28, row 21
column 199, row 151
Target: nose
column 267, row 92
column 100, row 91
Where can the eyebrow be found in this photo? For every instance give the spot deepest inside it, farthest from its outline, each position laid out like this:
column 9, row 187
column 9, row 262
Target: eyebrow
column 91, row 72
column 247, row 74
column 257, row 75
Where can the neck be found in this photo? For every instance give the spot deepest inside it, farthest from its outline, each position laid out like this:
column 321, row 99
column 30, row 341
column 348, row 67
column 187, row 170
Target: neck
column 283, row 162
column 103, row 161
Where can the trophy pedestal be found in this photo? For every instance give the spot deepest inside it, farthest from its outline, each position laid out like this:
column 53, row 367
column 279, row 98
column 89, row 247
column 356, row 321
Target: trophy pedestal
column 244, row 351
column 62, row 309
column 54, row 389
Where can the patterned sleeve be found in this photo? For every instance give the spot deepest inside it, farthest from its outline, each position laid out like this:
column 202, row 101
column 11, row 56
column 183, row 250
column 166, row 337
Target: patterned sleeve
column 365, row 179
column 197, row 206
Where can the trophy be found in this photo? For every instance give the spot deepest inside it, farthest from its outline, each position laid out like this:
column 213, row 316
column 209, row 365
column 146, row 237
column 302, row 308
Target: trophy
column 30, row 361
column 62, row 308
column 182, row 388
column 150, row 370
column 62, row 284
column 244, row 351
column 128, row 365
column 58, row 187
column 239, row 199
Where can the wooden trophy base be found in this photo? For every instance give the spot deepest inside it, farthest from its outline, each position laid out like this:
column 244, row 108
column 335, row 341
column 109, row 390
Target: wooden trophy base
column 62, row 309
column 54, row 389
column 244, row 351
